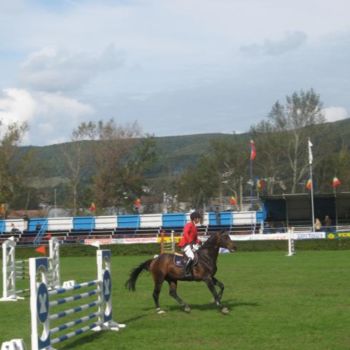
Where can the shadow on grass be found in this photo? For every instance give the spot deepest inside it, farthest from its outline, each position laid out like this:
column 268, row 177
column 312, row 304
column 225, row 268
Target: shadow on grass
column 94, row 336
column 231, row 304
column 84, row 340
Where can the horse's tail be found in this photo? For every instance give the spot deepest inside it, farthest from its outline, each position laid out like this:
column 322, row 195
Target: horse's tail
column 131, row 282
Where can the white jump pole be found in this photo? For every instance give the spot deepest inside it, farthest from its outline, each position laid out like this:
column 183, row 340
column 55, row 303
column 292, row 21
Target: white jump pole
column 9, row 271
column 291, row 247
column 12, row 271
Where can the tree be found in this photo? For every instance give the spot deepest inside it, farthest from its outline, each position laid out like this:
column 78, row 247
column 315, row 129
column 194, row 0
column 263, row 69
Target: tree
column 217, row 173
column 77, row 155
column 123, row 154
column 10, row 137
column 199, row 183
column 288, row 128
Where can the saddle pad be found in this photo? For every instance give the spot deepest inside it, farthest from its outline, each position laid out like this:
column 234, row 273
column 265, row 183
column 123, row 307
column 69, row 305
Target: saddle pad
column 180, row 260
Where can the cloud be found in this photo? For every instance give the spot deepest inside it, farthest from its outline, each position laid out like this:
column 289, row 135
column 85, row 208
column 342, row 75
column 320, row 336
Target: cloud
column 333, row 114
column 291, row 41
column 57, row 70
column 51, row 116
column 16, row 105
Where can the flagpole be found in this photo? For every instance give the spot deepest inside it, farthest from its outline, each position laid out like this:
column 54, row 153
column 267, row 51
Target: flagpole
column 335, row 206
column 252, row 157
column 312, row 186
column 252, row 184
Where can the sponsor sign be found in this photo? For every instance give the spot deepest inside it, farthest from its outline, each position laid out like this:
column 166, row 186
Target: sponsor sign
column 279, row 236
column 101, row 241
column 135, row 240
column 338, row 235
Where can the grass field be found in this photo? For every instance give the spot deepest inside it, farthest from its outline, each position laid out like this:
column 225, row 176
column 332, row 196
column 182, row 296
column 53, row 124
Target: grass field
column 276, row 302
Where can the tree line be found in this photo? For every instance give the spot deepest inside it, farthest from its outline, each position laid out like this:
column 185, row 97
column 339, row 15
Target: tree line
column 114, row 165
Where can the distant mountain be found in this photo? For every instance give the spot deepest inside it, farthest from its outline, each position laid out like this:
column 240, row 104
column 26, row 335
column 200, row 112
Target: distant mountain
column 175, row 153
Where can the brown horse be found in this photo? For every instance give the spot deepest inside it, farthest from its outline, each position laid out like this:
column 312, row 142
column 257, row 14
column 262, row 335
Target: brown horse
column 163, row 268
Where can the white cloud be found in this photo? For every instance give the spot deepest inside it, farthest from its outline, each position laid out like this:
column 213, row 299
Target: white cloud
column 290, row 41
column 333, row 114
column 51, row 116
column 16, row 105
column 167, row 63
column 51, row 69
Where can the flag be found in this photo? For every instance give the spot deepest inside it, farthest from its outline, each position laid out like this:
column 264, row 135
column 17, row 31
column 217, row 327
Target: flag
column 92, row 207
column 41, row 250
column 310, row 151
column 233, row 200
column 252, row 150
column 336, row 182
column 309, row 184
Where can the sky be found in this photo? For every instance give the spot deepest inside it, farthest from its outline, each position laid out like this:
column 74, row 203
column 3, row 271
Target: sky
column 177, row 67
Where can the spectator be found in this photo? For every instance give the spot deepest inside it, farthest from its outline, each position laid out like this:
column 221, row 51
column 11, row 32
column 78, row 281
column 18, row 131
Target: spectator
column 318, row 224
column 218, row 216
column 327, row 223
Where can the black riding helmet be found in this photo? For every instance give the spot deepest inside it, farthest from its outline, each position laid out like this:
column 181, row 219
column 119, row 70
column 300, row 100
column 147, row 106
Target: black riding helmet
column 195, row 215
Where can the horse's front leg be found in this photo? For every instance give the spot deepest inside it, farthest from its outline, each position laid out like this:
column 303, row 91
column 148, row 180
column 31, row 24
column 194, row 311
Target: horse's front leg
column 211, row 286
column 173, row 293
column 220, row 285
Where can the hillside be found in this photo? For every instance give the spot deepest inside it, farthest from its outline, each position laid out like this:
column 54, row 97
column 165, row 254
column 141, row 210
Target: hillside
column 175, row 153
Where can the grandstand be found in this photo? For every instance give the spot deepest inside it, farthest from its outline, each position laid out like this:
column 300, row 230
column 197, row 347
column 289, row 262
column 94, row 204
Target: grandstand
column 78, row 229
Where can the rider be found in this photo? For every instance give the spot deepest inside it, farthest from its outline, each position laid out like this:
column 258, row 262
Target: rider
column 189, row 242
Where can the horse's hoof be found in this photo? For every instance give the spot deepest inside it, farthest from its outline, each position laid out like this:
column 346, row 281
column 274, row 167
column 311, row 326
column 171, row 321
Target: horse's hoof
column 225, row 310
column 160, row 311
column 187, row 309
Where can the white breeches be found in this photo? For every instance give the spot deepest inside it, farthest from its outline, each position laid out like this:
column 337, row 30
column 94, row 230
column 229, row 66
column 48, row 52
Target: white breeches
column 188, row 251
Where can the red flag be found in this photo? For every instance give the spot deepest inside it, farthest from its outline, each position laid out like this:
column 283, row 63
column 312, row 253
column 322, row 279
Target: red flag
column 336, row 182
column 41, row 250
column 252, row 150
column 309, row 184
column 92, row 207
column 233, row 200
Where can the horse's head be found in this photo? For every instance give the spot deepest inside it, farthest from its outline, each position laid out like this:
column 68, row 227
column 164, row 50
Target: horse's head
column 225, row 241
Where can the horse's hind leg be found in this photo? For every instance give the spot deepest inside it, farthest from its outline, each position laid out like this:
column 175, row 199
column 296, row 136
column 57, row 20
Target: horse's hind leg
column 156, row 291
column 173, row 293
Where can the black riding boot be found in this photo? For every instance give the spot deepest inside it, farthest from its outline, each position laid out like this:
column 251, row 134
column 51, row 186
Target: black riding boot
column 188, row 268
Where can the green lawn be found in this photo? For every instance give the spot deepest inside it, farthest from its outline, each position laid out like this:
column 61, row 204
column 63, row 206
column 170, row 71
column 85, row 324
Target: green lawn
column 276, row 302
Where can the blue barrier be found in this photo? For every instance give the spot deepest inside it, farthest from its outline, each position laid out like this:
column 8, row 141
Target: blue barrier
column 35, row 224
column 128, row 221
column 174, row 220
column 84, row 223
column 133, row 221
column 2, row 226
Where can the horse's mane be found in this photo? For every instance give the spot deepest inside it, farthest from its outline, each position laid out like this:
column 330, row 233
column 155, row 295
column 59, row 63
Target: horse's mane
column 212, row 238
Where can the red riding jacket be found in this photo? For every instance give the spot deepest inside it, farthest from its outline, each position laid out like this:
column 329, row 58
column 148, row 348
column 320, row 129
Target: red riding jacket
column 190, row 235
